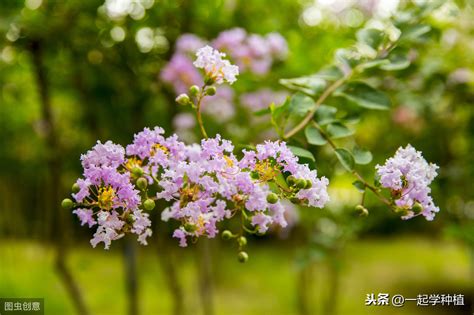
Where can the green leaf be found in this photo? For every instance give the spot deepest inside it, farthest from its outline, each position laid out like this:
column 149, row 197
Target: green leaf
column 396, row 62
column 325, row 115
column 413, row 32
column 313, row 136
column 370, row 37
column 262, row 112
column 311, row 85
column 338, row 130
column 359, row 185
column 300, row 104
column 362, row 156
column 331, row 73
column 365, row 96
column 280, row 115
column 374, row 63
column 346, row 158
column 302, row 153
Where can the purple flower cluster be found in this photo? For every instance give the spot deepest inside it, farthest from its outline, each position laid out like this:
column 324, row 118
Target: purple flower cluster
column 408, row 176
column 250, row 52
column 106, row 196
column 203, row 185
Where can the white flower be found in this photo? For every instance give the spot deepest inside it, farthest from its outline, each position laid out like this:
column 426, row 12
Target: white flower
column 217, row 69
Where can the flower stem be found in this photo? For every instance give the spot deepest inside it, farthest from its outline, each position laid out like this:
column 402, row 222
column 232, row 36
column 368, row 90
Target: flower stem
column 319, row 101
column 198, row 112
column 354, row 172
column 359, row 68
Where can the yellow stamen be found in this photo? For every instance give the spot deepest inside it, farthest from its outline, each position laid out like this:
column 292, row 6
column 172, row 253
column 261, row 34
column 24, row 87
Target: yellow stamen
column 157, row 147
column 133, row 162
column 265, row 170
column 106, row 197
column 229, row 161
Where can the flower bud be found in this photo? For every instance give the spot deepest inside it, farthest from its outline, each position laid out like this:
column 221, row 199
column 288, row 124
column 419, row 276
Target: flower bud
column 142, row 183
column 67, row 204
column 226, row 235
column 130, row 219
column 183, row 99
column 309, row 184
column 137, row 171
column 417, row 207
column 291, row 180
column 75, row 188
column 149, row 204
column 242, row 257
column 295, row 200
column 362, row 211
column 209, row 80
column 211, row 91
column 272, row 198
column 190, row 228
column 194, row 90
column 254, row 175
column 300, row 183
column 242, row 241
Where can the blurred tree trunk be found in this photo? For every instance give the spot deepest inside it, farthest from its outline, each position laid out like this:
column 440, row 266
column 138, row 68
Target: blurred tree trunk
column 54, row 184
column 302, row 289
column 131, row 278
column 205, row 276
column 168, row 263
column 330, row 305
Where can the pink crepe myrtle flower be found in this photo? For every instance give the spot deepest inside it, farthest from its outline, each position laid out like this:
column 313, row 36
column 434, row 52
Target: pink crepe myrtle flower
column 408, row 176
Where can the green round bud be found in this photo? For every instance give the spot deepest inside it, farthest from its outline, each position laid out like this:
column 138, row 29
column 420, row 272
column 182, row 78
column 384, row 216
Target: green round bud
column 242, row 257
column 67, row 204
column 300, row 183
column 254, row 175
column 417, row 207
column 149, row 204
column 363, row 212
column 308, row 184
column 130, row 219
column 226, row 235
column 75, row 188
column 183, row 99
column 194, row 90
column 211, row 91
column 142, row 183
column 295, row 200
column 209, row 81
column 190, row 228
column 242, row 241
column 291, row 180
column 137, row 171
column 272, row 198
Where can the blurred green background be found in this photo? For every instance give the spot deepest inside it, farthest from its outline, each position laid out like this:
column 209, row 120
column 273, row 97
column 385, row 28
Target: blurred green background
column 66, row 81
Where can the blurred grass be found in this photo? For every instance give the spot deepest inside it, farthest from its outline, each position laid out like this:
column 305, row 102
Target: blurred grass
column 265, row 285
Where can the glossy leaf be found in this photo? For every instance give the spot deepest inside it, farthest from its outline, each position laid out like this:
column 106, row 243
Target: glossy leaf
column 396, row 62
column 302, row 153
column 370, row 37
column 362, row 156
column 311, row 85
column 300, row 104
column 346, row 158
column 365, row 96
column 338, row 130
column 313, row 136
column 359, row 185
column 325, row 115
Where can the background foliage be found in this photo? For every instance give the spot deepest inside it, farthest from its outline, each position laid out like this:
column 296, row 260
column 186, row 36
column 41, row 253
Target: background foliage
column 81, row 71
